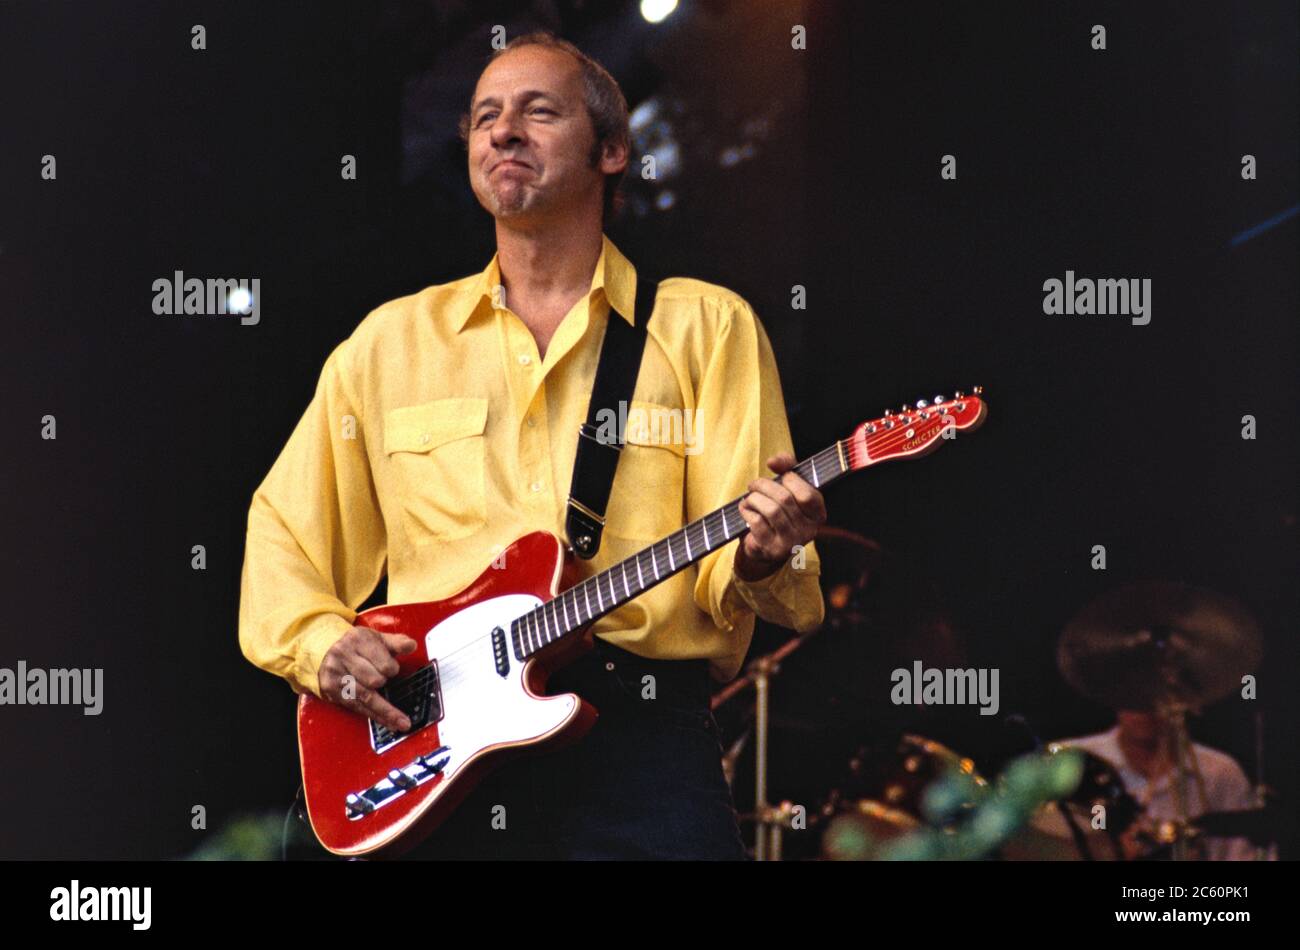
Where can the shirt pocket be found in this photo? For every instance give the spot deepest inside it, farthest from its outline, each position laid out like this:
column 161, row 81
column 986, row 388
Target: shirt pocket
column 647, row 498
column 436, row 454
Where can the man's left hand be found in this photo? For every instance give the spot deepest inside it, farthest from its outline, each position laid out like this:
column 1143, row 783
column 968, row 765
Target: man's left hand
column 781, row 513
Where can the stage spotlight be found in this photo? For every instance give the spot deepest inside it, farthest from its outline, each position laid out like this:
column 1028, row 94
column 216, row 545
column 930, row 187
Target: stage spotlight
column 239, row 301
column 655, row 11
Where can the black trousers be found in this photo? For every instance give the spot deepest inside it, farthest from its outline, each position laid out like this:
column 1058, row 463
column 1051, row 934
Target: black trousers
column 645, row 783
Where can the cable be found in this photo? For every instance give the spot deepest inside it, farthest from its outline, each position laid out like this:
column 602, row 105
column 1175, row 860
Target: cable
column 284, row 834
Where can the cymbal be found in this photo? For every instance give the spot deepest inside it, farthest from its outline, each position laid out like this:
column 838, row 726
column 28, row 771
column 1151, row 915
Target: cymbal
column 1159, row 642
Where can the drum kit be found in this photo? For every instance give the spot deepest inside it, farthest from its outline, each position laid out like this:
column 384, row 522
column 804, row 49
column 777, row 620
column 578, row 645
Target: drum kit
column 1163, row 648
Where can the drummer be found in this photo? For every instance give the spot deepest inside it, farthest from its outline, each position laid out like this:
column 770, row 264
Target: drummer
column 1138, row 746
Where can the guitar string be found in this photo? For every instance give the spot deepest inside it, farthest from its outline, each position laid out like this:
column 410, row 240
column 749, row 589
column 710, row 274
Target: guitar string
column 448, row 669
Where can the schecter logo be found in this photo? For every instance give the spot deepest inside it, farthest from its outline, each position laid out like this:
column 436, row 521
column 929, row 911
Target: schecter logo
column 926, row 432
column 918, row 441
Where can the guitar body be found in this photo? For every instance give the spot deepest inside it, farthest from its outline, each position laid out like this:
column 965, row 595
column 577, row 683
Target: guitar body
column 473, row 712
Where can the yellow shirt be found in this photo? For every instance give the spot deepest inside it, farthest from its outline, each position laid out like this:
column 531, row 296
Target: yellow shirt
column 437, row 436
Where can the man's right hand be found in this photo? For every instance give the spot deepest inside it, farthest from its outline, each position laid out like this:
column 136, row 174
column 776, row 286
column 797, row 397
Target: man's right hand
column 368, row 658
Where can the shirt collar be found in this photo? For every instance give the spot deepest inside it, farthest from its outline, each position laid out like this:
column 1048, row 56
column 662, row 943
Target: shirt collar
column 615, row 277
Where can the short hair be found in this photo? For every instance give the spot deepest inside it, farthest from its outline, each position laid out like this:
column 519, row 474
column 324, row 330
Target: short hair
column 605, row 104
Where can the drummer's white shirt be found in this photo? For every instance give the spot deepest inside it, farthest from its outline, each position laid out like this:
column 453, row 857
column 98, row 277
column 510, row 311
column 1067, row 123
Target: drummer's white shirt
column 1226, row 788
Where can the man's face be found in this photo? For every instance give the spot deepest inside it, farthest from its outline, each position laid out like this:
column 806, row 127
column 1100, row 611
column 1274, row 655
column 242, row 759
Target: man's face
column 531, row 137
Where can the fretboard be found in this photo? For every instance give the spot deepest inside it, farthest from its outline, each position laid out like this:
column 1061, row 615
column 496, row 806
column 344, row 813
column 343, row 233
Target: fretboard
column 602, row 593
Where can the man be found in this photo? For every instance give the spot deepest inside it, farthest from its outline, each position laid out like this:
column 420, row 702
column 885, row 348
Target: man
column 1138, row 746
column 446, row 426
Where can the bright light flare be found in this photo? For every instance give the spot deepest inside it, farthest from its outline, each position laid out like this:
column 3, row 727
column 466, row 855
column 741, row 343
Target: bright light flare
column 656, row 11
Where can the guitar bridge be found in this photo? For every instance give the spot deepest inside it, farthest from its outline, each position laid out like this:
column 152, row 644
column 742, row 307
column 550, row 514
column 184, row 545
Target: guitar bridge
column 419, row 696
column 426, row 768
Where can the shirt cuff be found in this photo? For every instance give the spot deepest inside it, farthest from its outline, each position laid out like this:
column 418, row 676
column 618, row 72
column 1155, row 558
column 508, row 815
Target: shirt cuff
column 789, row 596
column 325, row 631
column 767, row 591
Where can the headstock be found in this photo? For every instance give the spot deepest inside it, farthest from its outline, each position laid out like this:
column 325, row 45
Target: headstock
column 916, row 429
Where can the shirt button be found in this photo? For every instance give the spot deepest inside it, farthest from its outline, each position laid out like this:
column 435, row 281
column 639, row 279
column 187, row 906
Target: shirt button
column 531, row 422
column 424, row 439
column 524, row 359
column 610, row 667
column 537, row 486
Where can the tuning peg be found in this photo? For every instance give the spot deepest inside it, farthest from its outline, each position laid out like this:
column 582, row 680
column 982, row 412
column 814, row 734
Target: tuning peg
column 979, row 390
column 887, row 413
column 938, row 400
column 921, row 404
column 906, row 408
column 958, row 394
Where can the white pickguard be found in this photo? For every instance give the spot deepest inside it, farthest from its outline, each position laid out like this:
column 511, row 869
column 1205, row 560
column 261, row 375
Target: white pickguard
column 481, row 707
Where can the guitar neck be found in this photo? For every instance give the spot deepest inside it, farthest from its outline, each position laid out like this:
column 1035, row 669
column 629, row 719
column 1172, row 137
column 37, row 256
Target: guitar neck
column 605, row 592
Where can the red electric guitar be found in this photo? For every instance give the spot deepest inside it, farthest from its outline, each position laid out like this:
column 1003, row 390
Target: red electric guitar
column 474, row 686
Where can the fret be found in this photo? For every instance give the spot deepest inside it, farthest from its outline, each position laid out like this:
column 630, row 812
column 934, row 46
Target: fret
column 639, row 579
column 687, row 535
column 613, row 597
column 815, row 479
column 564, row 609
column 627, row 591
column 599, row 598
column 587, row 596
column 671, row 565
column 654, row 561
column 535, row 632
column 726, row 528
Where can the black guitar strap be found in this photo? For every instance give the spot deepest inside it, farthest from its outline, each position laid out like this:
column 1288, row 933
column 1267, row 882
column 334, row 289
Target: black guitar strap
column 597, row 459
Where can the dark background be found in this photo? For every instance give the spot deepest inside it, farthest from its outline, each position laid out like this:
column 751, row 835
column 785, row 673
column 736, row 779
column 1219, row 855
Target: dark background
column 225, row 162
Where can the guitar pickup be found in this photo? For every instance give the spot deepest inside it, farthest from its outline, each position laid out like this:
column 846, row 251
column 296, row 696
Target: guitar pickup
column 419, row 696
column 500, row 654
